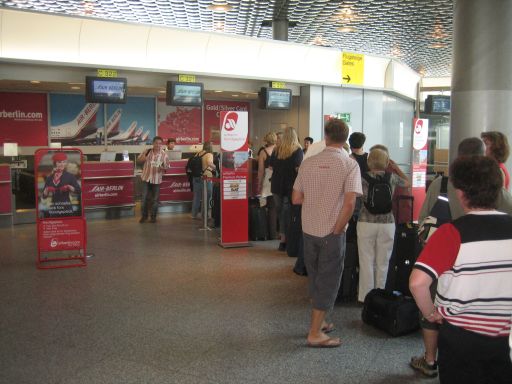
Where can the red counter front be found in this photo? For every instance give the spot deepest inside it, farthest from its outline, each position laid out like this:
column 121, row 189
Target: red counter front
column 5, row 190
column 108, row 184
column 175, row 186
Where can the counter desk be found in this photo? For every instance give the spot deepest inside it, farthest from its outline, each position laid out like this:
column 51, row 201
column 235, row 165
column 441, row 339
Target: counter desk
column 6, row 205
column 108, row 189
column 175, row 192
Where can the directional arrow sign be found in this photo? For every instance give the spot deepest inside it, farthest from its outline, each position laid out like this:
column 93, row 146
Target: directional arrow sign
column 352, row 68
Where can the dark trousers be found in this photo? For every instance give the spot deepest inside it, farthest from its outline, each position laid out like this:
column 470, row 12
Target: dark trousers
column 324, row 258
column 471, row 358
column 150, row 195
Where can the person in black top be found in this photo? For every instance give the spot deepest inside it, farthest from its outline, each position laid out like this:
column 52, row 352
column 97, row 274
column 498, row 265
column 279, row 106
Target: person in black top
column 264, row 177
column 285, row 162
column 356, row 141
column 307, row 142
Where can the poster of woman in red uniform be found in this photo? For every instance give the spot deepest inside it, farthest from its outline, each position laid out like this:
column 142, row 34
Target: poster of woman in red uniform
column 59, row 185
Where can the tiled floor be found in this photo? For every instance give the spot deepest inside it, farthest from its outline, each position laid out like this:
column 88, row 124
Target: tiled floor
column 164, row 304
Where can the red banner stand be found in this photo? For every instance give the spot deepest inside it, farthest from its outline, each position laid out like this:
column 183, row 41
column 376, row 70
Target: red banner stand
column 419, row 163
column 61, row 225
column 234, row 132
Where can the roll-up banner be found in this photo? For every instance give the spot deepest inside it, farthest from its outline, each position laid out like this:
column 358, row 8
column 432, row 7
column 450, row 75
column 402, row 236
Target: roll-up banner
column 61, row 228
column 234, row 129
column 419, row 163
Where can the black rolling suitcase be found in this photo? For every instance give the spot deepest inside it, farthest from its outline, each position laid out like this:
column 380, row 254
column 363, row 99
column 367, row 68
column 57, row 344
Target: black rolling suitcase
column 391, row 312
column 294, row 233
column 350, row 276
column 216, row 205
column 258, row 222
column 406, row 249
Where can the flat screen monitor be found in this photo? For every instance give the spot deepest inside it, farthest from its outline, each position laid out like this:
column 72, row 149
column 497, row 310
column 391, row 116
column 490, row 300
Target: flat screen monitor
column 438, row 104
column 105, row 89
column 278, row 98
column 184, row 94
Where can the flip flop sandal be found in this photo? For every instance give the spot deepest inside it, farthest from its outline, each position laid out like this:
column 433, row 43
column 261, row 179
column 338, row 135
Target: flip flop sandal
column 327, row 343
column 328, row 328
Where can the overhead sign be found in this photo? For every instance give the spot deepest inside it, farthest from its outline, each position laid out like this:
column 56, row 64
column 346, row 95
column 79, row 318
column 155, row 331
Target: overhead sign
column 352, row 68
column 107, row 73
column 345, row 116
column 278, row 84
column 187, row 78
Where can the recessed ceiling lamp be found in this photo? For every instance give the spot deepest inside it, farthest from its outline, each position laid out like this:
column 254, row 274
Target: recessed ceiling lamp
column 219, row 7
column 319, row 40
column 76, row 83
column 218, row 91
column 347, row 29
column 76, row 88
column 161, row 91
column 35, row 82
column 396, row 52
column 235, row 95
column 437, row 45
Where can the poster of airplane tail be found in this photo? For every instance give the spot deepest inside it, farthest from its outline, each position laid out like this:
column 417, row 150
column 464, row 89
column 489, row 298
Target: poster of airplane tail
column 75, row 122
column 137, row 117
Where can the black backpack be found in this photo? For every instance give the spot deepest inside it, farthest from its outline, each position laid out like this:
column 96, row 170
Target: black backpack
column 195, row 166
column 379, row 199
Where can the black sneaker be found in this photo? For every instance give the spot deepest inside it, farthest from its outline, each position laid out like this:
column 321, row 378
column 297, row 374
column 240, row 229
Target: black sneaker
column 282, row 247
column 419, row 364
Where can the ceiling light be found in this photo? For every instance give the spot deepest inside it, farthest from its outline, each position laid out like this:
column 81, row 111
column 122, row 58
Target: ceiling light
column 75, row 87
column 235, row 95
column 347, row 29
column 219, row 7
column 161, row 91
column 218, row 91
column 437, row 45
column 35, row 82
column 76, row 83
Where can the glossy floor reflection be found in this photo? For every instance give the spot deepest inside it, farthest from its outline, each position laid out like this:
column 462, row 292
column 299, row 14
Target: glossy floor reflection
column 164, row 304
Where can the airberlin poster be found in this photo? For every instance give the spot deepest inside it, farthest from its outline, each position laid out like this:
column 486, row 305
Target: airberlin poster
column 60, row 220
column 73, row 121
column 23, row 119
column 180, row 123
column 419, row 163
column 212, row 111
column 58, row 183
column 132, row 123
column 234, row 177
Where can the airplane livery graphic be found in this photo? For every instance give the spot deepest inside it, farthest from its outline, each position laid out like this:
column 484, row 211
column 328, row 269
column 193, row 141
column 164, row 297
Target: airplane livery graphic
column 84, row 130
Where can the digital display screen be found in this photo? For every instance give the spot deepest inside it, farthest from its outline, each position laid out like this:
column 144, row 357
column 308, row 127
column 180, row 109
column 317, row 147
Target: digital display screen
column 279, row 98
column 440, row 105
column 105, row 90
column 184, row 94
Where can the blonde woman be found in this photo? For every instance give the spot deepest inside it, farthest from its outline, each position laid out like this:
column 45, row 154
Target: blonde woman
column 376, row 224
column 285, row 163
column 264, row 177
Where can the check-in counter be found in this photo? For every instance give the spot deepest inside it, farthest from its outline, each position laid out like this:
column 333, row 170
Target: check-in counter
column 108, row 189
column 6, row 205
column 175, row 191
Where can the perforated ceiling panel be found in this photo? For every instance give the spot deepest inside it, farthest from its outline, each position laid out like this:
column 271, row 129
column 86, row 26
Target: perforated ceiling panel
column 417, row 32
